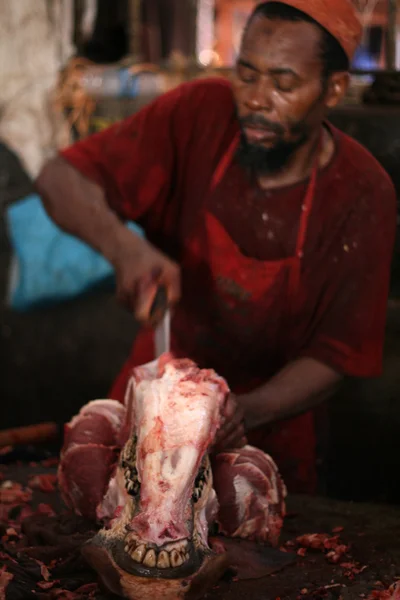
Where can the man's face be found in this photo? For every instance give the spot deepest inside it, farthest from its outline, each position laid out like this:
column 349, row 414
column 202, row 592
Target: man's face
column 279, row 90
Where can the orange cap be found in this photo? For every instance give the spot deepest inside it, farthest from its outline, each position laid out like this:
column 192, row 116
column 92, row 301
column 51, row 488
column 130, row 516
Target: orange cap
column 339, row 17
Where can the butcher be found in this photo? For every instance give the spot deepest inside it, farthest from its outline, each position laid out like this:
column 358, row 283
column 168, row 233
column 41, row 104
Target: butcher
column 271, row 230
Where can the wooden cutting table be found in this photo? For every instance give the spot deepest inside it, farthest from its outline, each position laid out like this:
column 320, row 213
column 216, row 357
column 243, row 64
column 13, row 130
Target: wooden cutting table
column 373, row 532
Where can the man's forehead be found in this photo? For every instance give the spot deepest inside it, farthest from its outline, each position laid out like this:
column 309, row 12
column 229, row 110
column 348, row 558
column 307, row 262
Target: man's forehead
column 279, row 43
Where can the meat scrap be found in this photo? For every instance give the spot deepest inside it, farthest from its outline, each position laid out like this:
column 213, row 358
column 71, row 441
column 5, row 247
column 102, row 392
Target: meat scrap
column 85, row 592
column 331, row 545
column 46, row 585
column 5, row 578
column 337, row 529
column 351, row 569
column 321, row 592
column 13, row 499
column 12, row 492
column 393, row 593
column 45, row 483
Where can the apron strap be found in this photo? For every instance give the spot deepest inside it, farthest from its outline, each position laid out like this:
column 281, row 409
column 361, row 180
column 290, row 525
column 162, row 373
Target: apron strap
column 224, row 162
column 295, row 271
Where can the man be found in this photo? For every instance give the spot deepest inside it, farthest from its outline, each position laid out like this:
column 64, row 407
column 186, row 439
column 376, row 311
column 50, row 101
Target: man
column 271, row 230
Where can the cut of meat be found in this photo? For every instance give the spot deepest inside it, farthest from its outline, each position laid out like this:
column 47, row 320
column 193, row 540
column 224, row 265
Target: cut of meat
column 98, row 422
column 92, row 444
column 88, row 429
column 251, row 495
column 84, row 475
column 176, row 413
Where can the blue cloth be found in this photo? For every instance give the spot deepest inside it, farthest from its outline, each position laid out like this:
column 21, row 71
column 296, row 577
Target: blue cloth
column 50, row 266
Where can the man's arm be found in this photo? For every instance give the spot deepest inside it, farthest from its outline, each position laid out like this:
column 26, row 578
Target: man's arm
column 79, row 206
column 122, row 173
column 298, row 387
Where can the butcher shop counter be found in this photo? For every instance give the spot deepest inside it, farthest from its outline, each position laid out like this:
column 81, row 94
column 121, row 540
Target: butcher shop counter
column 356, row 556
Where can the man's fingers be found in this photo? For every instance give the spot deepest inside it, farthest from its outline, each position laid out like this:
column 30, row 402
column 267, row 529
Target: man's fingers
column 232, row 412
column 228, row 429
column 235, row 440
column 126, row 297
column 172, row 281
column 225, row 437
column 143, row 305
column 148, row 288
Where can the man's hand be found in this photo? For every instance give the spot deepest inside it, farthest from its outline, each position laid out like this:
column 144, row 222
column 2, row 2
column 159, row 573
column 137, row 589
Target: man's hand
column 232, row 432
column 140, row 270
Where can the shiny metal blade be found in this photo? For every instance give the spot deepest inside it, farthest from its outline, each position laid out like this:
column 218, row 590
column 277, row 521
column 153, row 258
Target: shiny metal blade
column 162, row 335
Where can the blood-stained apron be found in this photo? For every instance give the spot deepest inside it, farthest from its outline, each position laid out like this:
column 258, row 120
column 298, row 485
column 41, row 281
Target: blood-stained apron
column 236, row 316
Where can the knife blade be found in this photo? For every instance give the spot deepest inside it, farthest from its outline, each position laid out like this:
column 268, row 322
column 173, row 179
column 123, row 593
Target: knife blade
column 162, row 335
column 160, row 314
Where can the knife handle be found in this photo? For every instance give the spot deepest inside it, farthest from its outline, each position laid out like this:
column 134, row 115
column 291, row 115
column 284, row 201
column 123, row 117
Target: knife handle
column 159, row 306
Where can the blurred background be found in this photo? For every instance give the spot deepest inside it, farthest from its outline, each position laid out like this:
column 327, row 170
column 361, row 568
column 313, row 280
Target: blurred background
column 70, row 68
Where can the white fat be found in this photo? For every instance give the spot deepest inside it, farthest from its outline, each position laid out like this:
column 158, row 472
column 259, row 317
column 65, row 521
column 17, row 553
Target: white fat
column 207, row 516
column 116, row 496
column 243, row 490
column 110, row 409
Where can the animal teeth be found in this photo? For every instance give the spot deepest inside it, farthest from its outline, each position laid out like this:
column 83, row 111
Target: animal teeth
column 163, row 560
column 179, row 546
column 176, row 559
column 186, row 556
column 150, row 559
column 139, row 553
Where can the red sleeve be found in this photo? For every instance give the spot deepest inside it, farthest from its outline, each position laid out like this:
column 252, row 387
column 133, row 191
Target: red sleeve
column 349, row 324
column 133, row 161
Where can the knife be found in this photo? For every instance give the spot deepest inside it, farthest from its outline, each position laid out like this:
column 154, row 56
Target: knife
column 160, row 314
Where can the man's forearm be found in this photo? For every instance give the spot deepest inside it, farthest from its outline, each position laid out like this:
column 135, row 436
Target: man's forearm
column 299, row 386
column 79, row 206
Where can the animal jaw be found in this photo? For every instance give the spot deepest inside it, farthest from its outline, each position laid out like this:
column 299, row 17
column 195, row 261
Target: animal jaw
column 177, row 556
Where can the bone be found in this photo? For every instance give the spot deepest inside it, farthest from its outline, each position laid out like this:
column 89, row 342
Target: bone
column 176, row 559
column 140, row 553
column 150, row 560
column 163, row 560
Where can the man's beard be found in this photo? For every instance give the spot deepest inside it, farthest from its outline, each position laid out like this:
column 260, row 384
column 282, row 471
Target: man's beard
column 266, row 161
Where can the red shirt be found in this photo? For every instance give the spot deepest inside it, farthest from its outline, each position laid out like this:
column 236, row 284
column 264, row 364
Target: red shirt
column 156, row 168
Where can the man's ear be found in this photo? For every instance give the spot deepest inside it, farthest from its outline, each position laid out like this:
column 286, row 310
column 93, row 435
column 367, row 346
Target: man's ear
column 337, row 87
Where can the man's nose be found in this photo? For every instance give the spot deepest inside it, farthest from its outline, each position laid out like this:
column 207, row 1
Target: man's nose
column 260, row 97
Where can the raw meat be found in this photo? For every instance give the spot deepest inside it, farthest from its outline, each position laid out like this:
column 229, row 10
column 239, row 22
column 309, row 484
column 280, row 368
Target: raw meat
column 89, row 456
column 393, row 593
column 98, row 421
column 5, row 579
column 251, row 495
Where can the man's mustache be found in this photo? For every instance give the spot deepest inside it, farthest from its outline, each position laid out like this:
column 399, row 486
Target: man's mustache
column 263, row 123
